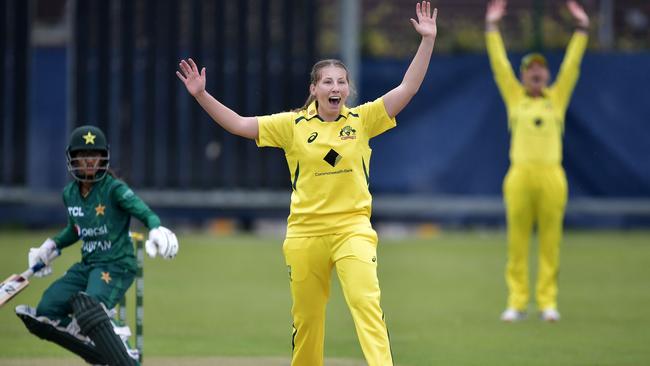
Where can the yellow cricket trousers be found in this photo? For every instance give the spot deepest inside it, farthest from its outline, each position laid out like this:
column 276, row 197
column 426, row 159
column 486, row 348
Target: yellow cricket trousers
column 534, row 194
column 310, row 261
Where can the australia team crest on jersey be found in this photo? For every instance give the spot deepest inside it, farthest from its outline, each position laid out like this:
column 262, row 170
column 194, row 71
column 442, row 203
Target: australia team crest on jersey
column 348, row 133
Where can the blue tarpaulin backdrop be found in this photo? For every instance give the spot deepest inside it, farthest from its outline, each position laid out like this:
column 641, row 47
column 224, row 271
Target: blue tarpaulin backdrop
column 451, row 139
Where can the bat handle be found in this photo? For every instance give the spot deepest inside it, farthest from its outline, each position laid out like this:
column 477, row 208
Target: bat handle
column 37, row 267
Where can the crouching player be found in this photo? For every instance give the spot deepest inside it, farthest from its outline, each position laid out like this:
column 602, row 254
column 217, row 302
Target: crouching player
column 74, row 310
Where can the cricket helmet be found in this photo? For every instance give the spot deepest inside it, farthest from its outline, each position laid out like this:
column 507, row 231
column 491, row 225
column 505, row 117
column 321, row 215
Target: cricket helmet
column 87, row 138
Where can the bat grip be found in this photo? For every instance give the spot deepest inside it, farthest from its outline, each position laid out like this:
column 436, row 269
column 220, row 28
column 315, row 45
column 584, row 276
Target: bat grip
column 37, row 267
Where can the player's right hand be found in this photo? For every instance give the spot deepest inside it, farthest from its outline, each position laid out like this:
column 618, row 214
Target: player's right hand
column 190, row 76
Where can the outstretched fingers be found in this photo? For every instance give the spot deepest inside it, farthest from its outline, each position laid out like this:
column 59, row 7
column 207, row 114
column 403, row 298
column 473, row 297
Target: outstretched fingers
column 189, row 74
column 425, row 24
column 180, row 76
column 193, row 65
column 423, row 10
column 185, row 68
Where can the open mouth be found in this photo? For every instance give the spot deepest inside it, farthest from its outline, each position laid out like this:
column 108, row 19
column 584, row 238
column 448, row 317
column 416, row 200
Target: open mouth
column 335, row 101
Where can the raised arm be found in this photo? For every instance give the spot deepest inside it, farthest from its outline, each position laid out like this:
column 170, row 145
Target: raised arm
column 567, row 77
column 227, row 118
column 396, row 99
column 504, row 76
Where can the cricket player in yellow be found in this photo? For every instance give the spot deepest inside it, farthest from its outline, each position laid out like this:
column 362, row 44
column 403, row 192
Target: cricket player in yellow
column 327, row 149
column 535, row 187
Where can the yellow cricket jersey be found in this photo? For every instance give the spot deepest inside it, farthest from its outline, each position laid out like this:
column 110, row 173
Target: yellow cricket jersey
column 536, row 124
column 329, row 164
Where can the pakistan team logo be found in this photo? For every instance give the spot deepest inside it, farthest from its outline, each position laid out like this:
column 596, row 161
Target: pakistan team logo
column 348, row 133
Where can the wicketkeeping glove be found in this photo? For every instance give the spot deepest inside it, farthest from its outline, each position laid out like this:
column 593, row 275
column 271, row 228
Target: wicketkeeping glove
column 161, row 241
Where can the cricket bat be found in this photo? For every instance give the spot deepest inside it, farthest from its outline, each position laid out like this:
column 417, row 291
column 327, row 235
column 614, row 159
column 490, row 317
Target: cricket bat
column 16, row 283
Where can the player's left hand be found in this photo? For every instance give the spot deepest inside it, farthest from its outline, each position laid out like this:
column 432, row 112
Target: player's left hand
column 426, row 23
column 161, row 241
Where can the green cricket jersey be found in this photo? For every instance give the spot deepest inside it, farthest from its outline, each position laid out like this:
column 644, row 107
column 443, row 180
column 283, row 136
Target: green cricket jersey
column 102, row 219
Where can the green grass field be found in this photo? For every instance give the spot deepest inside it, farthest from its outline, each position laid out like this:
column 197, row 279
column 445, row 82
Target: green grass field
column 229, row 296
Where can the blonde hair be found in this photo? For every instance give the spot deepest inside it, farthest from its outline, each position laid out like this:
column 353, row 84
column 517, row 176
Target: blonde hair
column 315, row 76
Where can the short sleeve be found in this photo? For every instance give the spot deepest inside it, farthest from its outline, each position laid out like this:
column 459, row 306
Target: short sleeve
column 375, row 118
column 275, row 130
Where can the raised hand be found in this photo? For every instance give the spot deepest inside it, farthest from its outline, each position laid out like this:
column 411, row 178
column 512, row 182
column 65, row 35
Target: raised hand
column 495, row 11
column 578, row 13
column 190, row 76
column 426, row 23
